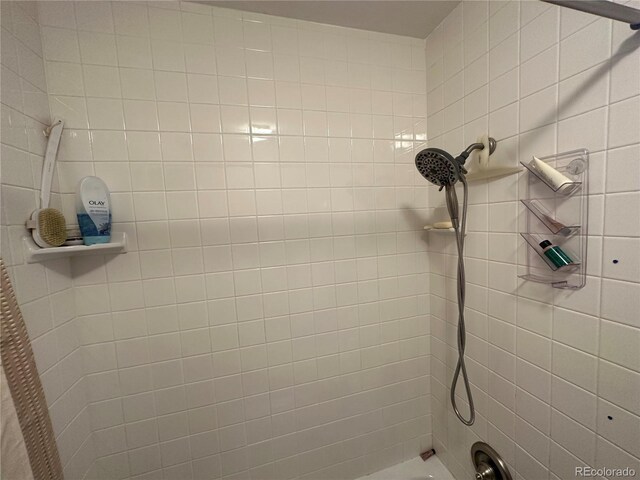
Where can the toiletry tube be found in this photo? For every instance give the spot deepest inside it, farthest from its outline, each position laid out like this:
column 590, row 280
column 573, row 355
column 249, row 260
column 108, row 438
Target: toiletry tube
column 555, row 254
column 553, row 177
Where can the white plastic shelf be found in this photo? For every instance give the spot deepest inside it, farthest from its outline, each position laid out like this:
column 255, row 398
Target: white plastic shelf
column 429, row 228
column 34, row 254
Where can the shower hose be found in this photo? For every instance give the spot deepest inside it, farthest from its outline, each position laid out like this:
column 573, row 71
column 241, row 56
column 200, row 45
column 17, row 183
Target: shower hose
column 460, row 230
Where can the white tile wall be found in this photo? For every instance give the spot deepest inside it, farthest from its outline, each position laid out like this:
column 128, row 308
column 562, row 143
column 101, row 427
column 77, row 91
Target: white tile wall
column 555, row 376
column 271, row 318
column 45, row 293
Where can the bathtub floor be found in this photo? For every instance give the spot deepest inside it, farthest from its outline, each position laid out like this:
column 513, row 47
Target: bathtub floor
column 414, row 469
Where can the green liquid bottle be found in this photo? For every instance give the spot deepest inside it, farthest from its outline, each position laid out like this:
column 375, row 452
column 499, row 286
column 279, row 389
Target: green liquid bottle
column 555, row 254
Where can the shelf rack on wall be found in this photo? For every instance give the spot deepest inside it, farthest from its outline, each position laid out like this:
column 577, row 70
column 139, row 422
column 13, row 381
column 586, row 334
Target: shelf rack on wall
column 430, row 228
column 34, row 254
column 559, row 214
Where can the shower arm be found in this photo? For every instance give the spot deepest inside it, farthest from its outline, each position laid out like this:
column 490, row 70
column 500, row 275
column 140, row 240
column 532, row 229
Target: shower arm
column 462, row 158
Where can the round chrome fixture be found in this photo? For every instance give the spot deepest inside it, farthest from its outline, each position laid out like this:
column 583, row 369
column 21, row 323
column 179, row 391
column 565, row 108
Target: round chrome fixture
column 489, row 464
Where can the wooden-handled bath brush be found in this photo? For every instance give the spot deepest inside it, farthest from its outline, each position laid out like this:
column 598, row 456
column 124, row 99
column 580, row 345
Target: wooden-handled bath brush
column 47, row 225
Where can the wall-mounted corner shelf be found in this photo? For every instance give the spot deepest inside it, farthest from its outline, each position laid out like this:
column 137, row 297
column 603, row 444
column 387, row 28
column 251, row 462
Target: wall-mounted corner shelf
column 34, row 254
column 491, row 173
column 429, row 228
column 560, row 215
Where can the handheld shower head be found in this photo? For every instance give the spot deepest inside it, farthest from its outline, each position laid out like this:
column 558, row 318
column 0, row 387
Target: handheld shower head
column 438, row 166
column 441, row 169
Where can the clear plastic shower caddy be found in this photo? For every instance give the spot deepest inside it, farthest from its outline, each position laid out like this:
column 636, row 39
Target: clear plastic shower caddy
column 559, row 214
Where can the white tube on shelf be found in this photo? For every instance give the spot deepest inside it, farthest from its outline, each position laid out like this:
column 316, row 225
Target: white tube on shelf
column 550, row 174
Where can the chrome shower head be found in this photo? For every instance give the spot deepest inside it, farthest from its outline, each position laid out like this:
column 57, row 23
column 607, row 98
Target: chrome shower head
column 441, row 169
column 438, row 166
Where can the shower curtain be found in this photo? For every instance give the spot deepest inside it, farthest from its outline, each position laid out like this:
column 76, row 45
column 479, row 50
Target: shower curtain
column 14, row 461
column 29, row 449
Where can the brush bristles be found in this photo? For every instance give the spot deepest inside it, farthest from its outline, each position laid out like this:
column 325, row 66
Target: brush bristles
column 52, row 226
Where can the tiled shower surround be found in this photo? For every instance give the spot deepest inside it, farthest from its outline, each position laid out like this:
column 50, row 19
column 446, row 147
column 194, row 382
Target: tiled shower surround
column 45, row 293
column 280, row 312
column 271, row 317
column 548, row 367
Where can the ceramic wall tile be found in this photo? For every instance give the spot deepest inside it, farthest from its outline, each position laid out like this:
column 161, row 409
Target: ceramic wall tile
column 554, row 84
